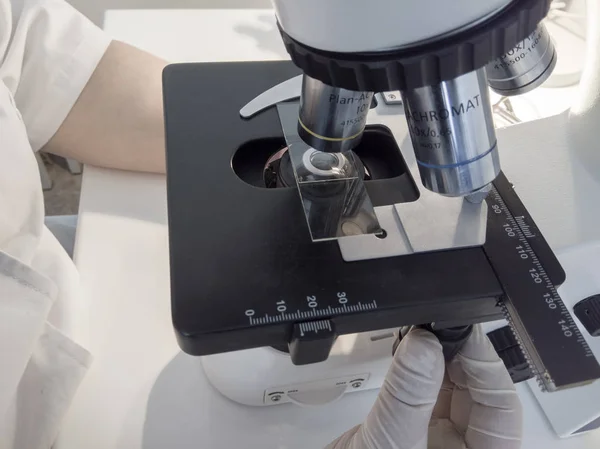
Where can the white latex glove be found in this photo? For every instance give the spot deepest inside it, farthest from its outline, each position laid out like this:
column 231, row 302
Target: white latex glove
column 477, row 407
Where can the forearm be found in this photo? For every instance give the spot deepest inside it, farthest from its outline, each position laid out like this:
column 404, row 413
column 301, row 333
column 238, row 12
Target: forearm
column 117, row 122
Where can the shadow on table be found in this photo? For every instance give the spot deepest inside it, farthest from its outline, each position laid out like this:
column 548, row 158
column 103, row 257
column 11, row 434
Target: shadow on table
column 266, row 37
column 185, row 412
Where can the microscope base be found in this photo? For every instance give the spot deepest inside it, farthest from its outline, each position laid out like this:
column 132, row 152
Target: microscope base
column 266, row 376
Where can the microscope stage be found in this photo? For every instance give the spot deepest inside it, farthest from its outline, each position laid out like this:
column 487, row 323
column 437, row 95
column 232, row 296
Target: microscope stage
column 245, row 272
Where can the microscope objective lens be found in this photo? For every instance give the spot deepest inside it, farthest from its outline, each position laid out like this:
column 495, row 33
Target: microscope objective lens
column 524, row 67
column 332, row 119
column 452, row 132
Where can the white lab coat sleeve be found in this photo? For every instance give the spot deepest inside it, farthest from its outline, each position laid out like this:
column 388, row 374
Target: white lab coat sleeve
column 52, row 54
column 25, row 300
column 46, row 390
column 48, row 52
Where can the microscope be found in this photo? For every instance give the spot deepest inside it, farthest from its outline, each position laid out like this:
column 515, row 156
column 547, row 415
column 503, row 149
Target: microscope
column 318, row 206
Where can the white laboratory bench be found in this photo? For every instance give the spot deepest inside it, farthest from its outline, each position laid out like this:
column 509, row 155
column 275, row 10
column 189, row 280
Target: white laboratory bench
column 142, row 391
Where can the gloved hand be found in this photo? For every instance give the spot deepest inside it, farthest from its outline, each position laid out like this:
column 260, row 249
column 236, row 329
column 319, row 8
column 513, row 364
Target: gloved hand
column 473, row 404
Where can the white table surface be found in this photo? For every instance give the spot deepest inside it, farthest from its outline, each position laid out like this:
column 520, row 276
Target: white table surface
column 142, row 391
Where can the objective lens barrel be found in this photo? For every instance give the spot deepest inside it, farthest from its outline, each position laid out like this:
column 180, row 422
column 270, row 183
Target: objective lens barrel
column 332, row 119
column 452, row 132
column 525, row 67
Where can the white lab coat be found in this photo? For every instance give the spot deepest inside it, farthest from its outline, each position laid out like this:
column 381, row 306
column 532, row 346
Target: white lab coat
column 48, row 51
